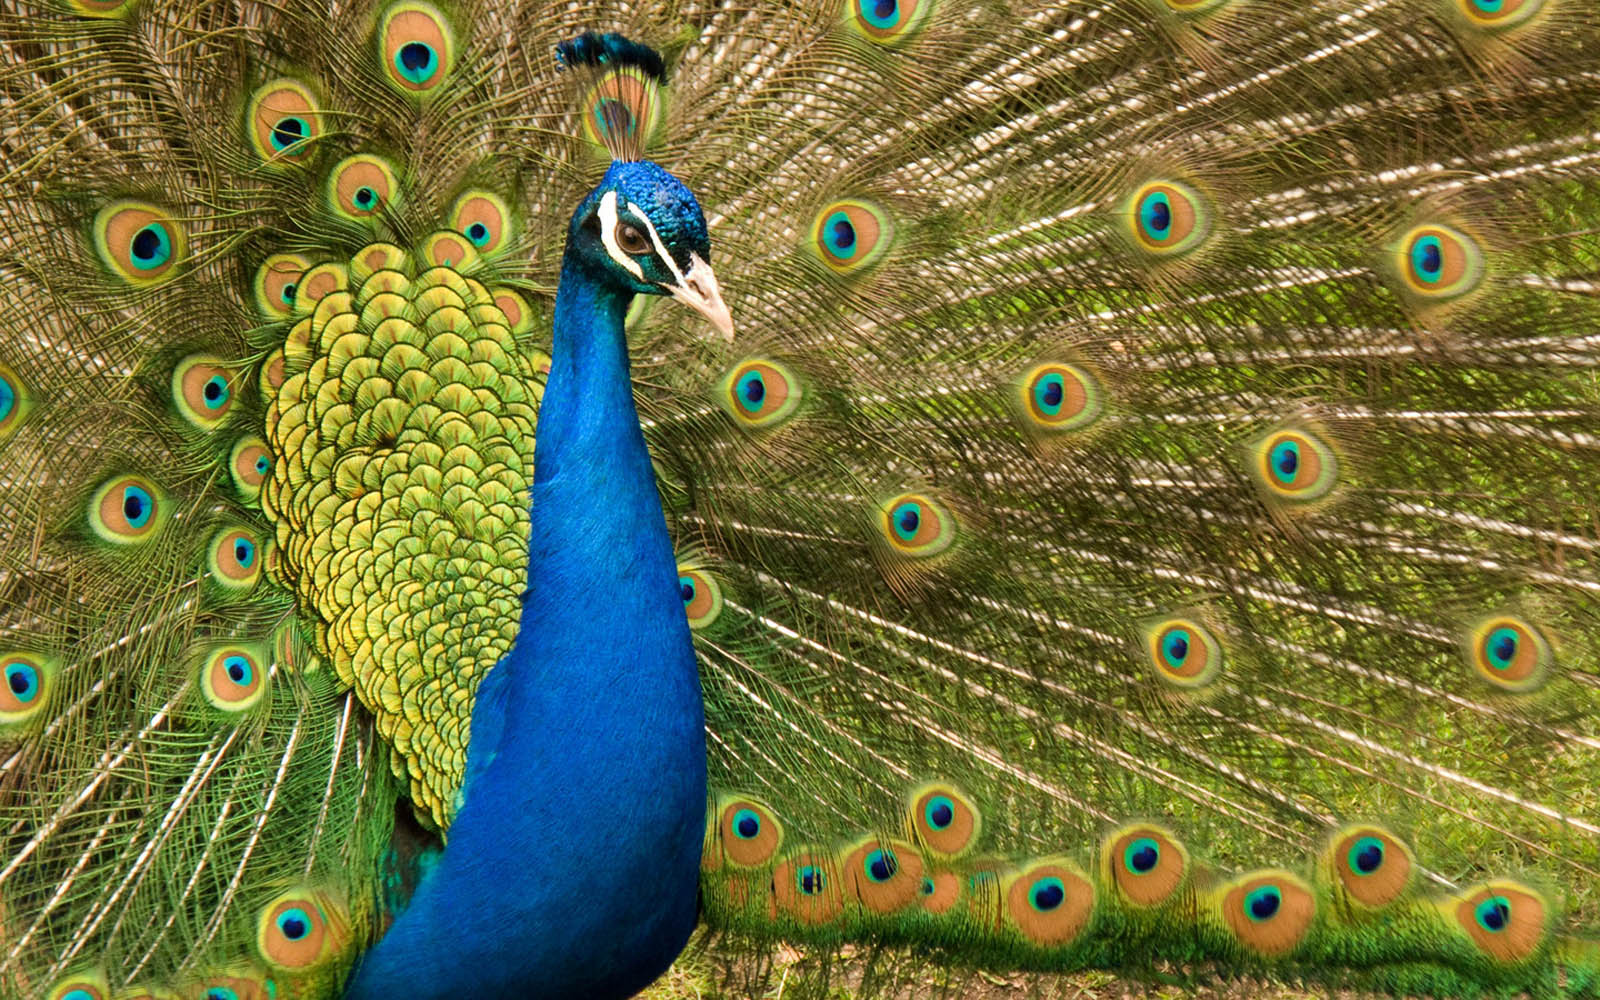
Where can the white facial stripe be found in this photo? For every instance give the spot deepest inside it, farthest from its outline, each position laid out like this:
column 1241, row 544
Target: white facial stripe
column 661, row 251
column 608, row 235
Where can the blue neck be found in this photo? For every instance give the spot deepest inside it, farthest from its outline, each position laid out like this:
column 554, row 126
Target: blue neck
column 572, row 865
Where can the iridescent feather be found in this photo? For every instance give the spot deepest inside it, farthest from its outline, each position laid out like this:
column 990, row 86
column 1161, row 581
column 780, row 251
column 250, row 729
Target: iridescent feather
column 1144, row 521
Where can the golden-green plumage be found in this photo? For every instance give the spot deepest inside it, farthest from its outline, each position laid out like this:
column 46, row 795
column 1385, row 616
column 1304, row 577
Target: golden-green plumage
column 1154, row 477
column 405, row 424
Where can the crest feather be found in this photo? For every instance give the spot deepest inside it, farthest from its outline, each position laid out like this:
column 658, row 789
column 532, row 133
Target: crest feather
column 622, row 106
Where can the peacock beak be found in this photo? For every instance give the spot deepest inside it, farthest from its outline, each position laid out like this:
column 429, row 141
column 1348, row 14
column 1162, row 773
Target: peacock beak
column 699, row 291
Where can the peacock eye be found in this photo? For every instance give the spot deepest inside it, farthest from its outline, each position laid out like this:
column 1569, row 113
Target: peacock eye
column 750, row 835
column 1506, row 921
column 1511, row 654
column 630, row 239
column 1183, row 652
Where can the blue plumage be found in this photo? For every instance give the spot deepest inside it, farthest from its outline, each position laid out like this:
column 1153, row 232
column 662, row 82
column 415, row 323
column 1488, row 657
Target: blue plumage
column 571, row 867
column 594, row 49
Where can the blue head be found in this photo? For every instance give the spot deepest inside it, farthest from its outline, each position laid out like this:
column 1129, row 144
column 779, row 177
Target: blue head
column 641, row 231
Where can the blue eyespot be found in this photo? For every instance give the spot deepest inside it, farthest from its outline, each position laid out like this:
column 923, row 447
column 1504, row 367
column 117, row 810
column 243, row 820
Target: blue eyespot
column 1048, row 393
column 478, row 233
column 8, row 398
column 1167, row 218
column 1494, row 914
column 940, row 812
column 686, row 588
column 746, row 824
column 1502, row 648
column 1047, row 894
column 365, row 197
column 882, row 14
column 1366, row 856
column 1155, row 215
column 416, row 61
column 215, row 392
column 750, row 390
column 221, row 993
column 125, row 510
column 927, row 886
column 1489, row 6
column 294, row 923
column 77, row 995
column 1436, row 263
column 760, row 393
column 244, row 552
column 263, row 465
column 1175, row 647
column 1294, row 465
column 151, row 247
column 1141, row 856
column 907, row 517
column 890, row 23
column 1285, row 461
column 137, row 505
column 22, row 696
column 839, row 233
column 138, row 241
column 288, row 131
column 230, row 681
column 1263, row 904
column 23, row 680
column 287, row 294
column 809, row 879
column 1183, row 652
column 881, row 865
column 1427, row 259
column 916, row 526
column 850, row 235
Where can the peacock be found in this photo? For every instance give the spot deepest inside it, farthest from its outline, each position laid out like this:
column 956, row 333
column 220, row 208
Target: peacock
column 1116, row 490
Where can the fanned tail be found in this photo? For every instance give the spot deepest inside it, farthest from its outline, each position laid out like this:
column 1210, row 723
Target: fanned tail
column 1169, row 431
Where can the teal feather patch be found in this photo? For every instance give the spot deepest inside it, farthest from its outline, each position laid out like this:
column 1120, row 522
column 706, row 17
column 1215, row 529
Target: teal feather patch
column 416, row 48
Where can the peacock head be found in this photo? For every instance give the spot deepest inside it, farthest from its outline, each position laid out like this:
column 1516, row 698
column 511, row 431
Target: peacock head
column 642, row 230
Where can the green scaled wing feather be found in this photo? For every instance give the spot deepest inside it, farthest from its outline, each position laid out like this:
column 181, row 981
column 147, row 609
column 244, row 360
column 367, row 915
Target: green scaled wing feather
column 1145, row 520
